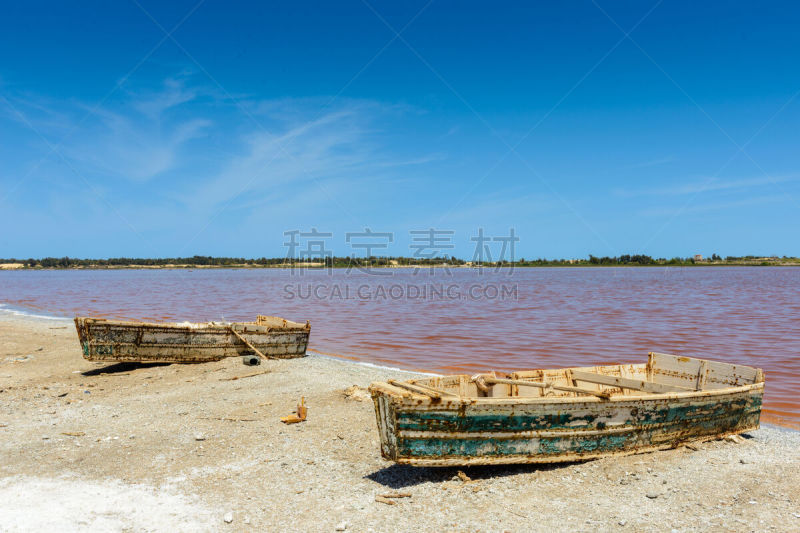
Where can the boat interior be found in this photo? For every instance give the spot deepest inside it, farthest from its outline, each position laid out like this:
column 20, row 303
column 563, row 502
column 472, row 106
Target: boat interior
column 663, row 373
column 278, row 322
column 275, row 322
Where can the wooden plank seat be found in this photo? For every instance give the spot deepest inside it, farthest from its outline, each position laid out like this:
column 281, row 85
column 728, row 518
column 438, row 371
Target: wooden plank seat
column 435, row 394
column 541, row 385
column 626, row 383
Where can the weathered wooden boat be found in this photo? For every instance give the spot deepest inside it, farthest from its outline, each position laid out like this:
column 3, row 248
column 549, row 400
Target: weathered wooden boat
column 570, row 414
column 113, row 340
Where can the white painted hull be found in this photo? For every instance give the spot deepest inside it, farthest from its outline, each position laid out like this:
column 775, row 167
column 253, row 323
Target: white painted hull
column 109, row 340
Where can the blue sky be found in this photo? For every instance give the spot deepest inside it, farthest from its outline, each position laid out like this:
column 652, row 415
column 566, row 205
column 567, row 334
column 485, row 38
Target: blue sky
column 147, row 129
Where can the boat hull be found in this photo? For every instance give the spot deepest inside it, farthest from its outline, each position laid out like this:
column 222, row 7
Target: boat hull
column 105, row 340
column 506, row 431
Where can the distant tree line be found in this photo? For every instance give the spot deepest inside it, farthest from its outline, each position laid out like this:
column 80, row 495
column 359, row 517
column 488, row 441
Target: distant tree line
column 359, row 262
column 646, row 260
column 201, row 260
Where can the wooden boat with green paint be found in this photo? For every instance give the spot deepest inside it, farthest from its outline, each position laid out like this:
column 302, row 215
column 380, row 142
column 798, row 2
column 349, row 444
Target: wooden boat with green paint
column 543, row 416
column 116, row 340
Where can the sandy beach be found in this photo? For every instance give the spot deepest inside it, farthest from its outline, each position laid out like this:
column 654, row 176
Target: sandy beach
column 98, row 447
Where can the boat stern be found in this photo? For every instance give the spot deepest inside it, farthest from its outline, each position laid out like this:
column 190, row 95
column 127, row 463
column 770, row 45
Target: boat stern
column 386, row 417
column 83, row 335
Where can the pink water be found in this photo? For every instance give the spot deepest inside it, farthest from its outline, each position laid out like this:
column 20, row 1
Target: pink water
column 559, row 317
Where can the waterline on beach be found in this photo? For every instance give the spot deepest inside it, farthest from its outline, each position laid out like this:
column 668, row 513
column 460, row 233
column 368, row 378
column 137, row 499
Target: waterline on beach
column 8, row 310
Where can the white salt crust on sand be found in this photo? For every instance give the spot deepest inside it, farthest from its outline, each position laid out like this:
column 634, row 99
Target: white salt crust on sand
column 70, row 504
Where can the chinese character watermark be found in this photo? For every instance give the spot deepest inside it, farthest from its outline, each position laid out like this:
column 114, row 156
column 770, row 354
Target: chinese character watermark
column 483, row 252
column 430, row 244
column 368, row 241
column 314, row 253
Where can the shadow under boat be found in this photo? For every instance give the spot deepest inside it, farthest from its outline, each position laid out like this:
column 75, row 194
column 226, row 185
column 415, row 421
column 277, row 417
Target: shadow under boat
column 116, row 368
column 400, row 476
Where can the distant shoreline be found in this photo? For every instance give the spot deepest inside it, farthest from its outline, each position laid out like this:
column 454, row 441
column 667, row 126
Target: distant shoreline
column 329, row 262
column 241, row 266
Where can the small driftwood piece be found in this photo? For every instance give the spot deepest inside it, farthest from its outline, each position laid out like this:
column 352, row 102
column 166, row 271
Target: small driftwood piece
column 299, row 416
column 234, row 378
column 396, row 495
column 384, row 499
column 564, row 388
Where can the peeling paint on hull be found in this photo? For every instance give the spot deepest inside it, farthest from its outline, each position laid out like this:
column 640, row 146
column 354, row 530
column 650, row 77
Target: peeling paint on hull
column 570, row 418
column 456, row 430
column 103, row 340
column 459, row 436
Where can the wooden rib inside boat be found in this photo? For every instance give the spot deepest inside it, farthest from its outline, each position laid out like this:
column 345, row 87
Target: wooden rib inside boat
column 116, row 340
column 565, row 414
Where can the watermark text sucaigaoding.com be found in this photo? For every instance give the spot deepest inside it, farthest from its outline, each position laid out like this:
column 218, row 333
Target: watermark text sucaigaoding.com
column 369, row 251
column 401, row 291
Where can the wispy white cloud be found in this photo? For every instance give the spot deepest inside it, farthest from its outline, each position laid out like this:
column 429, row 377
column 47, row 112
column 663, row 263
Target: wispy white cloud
column 287, row 148
column 182, row 163
column 147, row 133
column 135, row 151
column 137, row 137
column 661, row 211
column 649, row 163
column 140, row 140
column 174, row 93
column 702, row 185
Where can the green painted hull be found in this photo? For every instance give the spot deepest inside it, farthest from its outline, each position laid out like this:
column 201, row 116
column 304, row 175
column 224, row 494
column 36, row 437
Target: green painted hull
column 469, row 431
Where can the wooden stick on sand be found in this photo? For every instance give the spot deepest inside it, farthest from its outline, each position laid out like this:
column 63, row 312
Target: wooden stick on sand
column 247, row 343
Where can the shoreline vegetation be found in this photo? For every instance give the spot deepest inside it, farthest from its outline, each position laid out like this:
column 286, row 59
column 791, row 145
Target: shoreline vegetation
column 198, row 261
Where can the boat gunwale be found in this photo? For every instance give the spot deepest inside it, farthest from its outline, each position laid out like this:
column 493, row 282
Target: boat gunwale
column 191, row 326
column 417, row 400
